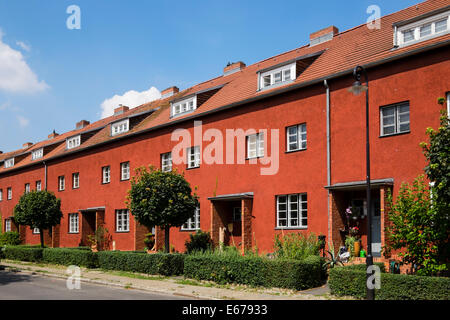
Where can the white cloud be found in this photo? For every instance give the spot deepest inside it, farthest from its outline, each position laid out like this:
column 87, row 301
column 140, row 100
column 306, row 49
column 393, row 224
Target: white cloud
column 23, row 122
column 23, row 45
column 130, row 99
column 15, row 74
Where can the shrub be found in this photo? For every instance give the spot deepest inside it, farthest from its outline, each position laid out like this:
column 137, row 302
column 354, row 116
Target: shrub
column 66, row 256
column 199, row 241
column 158, row 263
column 296, row 246
column 23, row 253
column 11, row 238
column 349, row 281
column 254, row 271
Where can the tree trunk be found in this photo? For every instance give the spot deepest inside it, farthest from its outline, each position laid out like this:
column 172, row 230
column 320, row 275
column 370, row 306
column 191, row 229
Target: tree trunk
column 41, row 235
column 166, row 239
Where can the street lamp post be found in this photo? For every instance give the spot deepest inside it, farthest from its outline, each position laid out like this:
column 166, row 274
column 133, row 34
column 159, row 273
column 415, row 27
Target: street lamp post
column 357, row 89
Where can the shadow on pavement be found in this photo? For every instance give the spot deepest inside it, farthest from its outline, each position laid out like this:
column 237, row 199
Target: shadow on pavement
column 10, row 276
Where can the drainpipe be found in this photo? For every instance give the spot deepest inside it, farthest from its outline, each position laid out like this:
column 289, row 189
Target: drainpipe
column 45, row 176
column 327, row 88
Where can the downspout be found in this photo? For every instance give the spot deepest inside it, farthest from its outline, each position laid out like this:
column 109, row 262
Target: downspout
column 45, row 175
column 327, row 88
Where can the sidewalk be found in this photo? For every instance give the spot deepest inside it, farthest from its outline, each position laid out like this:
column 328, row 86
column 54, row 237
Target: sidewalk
column 177, row 286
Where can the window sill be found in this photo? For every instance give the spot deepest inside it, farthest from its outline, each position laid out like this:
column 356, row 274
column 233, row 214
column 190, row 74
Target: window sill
column 190, row 168
column 73, row 232
column 291, row 228
column 121, row 180
column 189, row 230
column 297, row 150
column 106, row 182
column 123, row 231
column 394, row 134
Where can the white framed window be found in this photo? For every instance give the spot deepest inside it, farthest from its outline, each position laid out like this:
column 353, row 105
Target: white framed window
column 166, row 162
column 237, row 213
column 106, row 174
column 9, row 193
column 120, row 127
column 36, row 231
column 193, row 223
column 74, row 223
column 75, row 180
column 1, row 194
column 296, row 137
column 193, row 155
column 423, row 29
column 292, row 211
column 122, row 220
column 38, row 185
column 448, row 105
column 61, row 183
column 277, row 76
column 125, row 171
column 9, row 163
column 73, row 142
column 36, row 154
column 184, row 106
column 7, row 225
column 394, row 119
column 27, row 187
column 255, row 145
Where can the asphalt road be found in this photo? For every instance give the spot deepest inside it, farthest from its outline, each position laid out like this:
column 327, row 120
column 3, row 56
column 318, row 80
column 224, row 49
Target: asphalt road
column 22, row 286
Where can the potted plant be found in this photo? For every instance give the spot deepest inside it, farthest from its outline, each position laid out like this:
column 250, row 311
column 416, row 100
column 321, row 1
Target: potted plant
column 354, row 232
column 350, row 244
column 92, row 242
column 149, row 242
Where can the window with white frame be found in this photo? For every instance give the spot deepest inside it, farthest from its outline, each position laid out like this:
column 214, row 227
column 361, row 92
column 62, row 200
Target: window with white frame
column 125, row 171
column 9, row 193
column 38, row 185
column 75, row 180
column 36, row 231
column 61, row 183
column 394, row 119
column 7, row 225
column 193, row 155
column 423, row 29
column 166, row 162
column 296, row 137
column 277, row 76
column 36, row 154
column 27, row 187
column 106, row 174
column 1, row 194
column 9, row 163
column 122, row 220
column 73, row 142
column 120, row 127
column 184, row 106
column 292, row 211
column 74, row 223
column 448, row 105
column 193, row 223
column 255, row 145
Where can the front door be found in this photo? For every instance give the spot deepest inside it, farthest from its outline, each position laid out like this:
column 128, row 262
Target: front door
column 376, row 228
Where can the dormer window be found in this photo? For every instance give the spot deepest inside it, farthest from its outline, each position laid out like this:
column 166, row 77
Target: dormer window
column 120, row 127
column 36, row 154
column 274, row 77
column 9, row 163
column 184, row 106
column 421, row 28
column 73, row 142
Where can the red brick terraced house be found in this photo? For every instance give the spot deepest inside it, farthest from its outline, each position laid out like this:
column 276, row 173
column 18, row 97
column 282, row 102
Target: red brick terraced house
column 299, row 169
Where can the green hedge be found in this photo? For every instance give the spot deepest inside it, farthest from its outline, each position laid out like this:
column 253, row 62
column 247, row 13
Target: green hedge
column 345, row 281
column 23, row 253
column 66, row 256
column 11, row 238
column 158, row 263
column 255, row 271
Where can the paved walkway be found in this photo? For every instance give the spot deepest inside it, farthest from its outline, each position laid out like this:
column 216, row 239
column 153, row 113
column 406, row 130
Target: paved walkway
column 175, row 286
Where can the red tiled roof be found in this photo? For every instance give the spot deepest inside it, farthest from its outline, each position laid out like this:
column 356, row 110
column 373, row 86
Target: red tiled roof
column 359, row 45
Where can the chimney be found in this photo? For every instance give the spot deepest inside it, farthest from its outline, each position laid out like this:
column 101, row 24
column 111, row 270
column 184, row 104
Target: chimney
column 322, row 35
column 233, row 67
column 53, row 134
column 121, row 109
column 82, row 124
column 169, row 92
column 26, row 145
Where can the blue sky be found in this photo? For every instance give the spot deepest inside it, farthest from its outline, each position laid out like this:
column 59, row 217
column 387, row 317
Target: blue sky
column 62, row 76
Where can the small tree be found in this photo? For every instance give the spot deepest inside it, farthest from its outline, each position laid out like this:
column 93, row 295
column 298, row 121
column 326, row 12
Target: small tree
column 38, row 209
column 161, row 199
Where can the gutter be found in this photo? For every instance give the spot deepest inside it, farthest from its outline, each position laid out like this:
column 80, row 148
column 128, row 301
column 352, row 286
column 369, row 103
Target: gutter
column 254, row 99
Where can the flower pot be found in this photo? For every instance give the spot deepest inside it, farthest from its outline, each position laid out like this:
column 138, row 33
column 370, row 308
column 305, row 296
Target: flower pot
column 356, row 248
column 94, row 248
